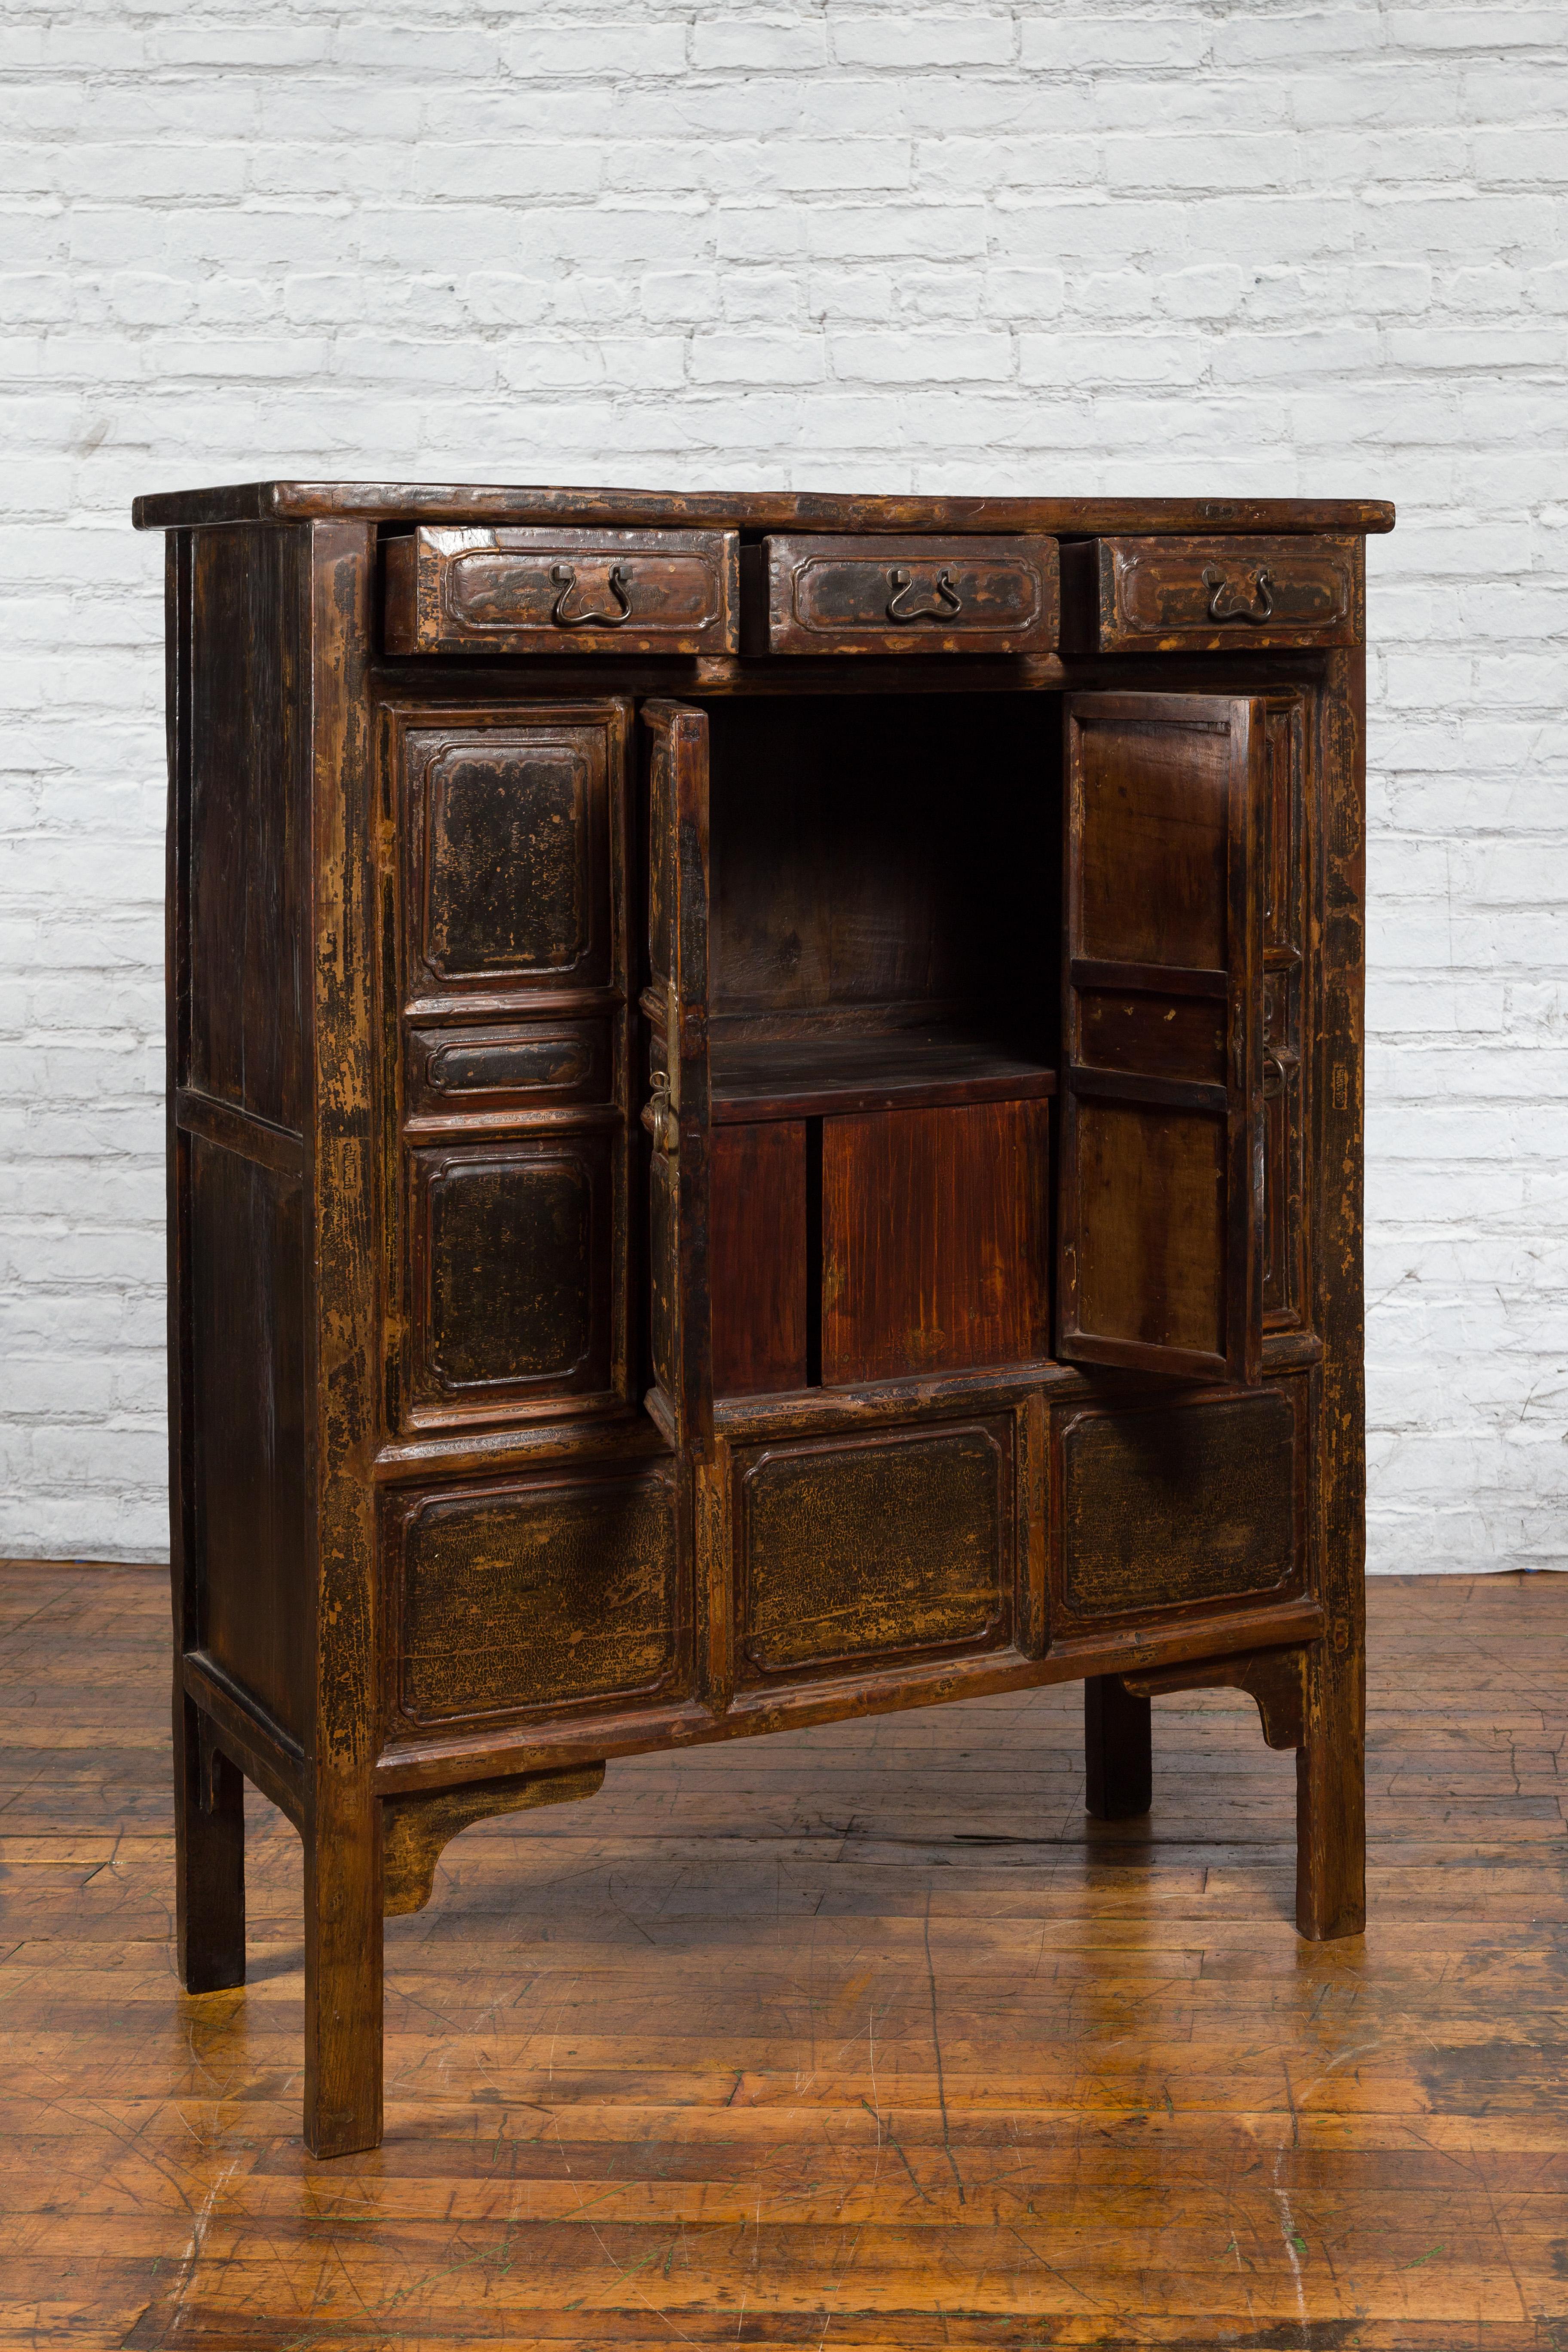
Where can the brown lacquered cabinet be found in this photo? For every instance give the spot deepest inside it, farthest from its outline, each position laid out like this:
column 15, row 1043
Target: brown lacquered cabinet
column 764, row 1122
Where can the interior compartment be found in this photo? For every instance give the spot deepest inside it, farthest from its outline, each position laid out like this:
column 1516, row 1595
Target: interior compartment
column 885, row 939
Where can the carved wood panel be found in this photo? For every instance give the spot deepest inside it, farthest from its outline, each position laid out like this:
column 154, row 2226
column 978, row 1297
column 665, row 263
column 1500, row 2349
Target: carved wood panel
column 1160, row 1233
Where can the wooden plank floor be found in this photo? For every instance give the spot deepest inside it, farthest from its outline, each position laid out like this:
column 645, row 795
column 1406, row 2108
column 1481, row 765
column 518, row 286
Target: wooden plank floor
column 861, row 2036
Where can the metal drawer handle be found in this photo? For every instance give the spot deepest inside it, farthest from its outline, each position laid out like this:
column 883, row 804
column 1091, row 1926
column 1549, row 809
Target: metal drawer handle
column 565, row 579
column 1260, row 609
column 901, row 581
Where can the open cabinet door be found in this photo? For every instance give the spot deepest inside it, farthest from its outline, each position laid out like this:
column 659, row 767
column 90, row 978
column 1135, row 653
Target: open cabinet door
column 675, row 1114
column 1160, row 1226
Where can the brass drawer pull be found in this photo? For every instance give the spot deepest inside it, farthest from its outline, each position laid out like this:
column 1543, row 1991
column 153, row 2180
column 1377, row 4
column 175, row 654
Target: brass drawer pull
column 902, row 582
column 1261, row 607
column 565, row 579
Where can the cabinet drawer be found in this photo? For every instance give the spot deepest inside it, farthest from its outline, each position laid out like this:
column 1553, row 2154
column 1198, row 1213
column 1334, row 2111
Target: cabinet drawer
column 562, row 591
column 506, row 1068
column 1195, row 595
column 902, row 596
column 1171, row 1506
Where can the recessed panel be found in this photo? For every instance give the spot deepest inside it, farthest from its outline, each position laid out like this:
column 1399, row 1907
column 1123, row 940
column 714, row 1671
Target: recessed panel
column 245, row 1297
column 1152, row 823
column 534, row 1594
column 855, row 1548
column 1153, row 1037
column 508, row 885
column 509, row 842
column 526, row 1067
column 1150, row 1226
column 1170, row 1505
column 512, row 1247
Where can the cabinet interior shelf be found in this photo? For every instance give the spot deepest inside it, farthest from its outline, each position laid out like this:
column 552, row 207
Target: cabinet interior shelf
column 754, row 1078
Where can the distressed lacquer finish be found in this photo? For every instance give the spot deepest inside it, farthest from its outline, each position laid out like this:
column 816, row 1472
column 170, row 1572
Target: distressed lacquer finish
column 513, row 1596
column 613, row 1174
column 837, row 596
column 562, row 591
column 873, row 1545
column 1160, row 595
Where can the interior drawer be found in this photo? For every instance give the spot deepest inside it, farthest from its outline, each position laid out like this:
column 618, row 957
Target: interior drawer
column 1174, row 1506
column 1196, row 595
column 900, row 596
column 562, row 591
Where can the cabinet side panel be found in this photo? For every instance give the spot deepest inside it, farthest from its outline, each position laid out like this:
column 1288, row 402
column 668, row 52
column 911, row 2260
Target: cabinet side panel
column 247, row 780
column 183, row 1560
column 246, row 1245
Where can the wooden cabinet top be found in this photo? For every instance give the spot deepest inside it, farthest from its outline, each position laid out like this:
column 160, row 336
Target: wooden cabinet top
column 449, row 502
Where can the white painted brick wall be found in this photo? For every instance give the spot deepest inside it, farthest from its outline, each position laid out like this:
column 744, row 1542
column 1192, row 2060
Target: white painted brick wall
column 1060, row 246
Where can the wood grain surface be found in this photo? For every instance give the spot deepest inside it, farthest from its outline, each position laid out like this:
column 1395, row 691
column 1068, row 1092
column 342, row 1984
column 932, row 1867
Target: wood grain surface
column 277, row 501
column 863, row 2036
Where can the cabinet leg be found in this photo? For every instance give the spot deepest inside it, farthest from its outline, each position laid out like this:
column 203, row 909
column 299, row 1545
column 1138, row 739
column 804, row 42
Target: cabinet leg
column 1331, row 1798
column 343, row 1977
column 1120, row 1778
column 209, row 1856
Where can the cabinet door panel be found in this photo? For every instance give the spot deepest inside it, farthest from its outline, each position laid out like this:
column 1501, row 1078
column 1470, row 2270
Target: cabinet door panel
column 853, row 1548
column 508, row 922
column 1151, row 1232
column 512, row 1248
column 534, row 1593
column 509, row 886
column 1164, row 1506
column 934, row 1239
column 1161, row 1222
